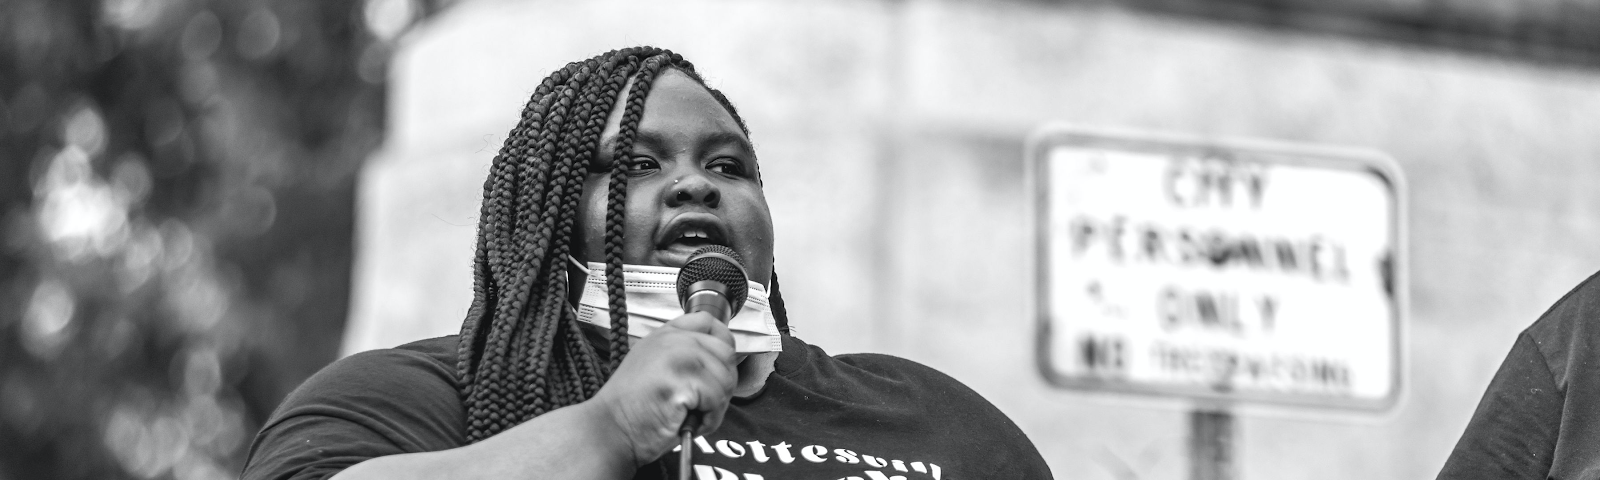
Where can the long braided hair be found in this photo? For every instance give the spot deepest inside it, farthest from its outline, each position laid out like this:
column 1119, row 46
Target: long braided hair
column 522, row 353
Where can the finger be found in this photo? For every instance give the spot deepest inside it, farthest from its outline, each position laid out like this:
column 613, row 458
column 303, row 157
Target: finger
column 705, row 374
column 679, row 340
column 701, row 322
column 712, row 420
column 714, row 410
column 710, row 360
column 711, row 399
column 721, row 332
column 698, row 322
column 720, row 347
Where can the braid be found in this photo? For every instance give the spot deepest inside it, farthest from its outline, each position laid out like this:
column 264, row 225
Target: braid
column 488, row 398
column 488, row 265
column 532, row 242
column 579, row 362
column 502, row 361
column 616, row 205
column 779, row 312
column 521, row 351
column 597, row 96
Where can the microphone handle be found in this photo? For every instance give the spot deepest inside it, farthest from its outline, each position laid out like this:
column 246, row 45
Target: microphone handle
column 710, row 301
column 713, row 301
column 685, row 433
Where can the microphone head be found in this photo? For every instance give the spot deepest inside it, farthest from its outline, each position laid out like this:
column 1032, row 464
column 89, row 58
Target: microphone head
column 718, row 263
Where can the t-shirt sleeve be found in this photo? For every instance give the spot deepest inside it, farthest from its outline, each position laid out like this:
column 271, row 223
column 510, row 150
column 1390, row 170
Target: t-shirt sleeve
column 1513, row 433
column 953, row 410
column 1013, row 454
column 368, row 405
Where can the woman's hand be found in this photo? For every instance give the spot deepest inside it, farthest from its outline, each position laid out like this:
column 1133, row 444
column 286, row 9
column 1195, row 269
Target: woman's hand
column 686, row 365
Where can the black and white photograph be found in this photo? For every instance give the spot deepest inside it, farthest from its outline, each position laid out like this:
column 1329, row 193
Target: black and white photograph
column 1018, row 239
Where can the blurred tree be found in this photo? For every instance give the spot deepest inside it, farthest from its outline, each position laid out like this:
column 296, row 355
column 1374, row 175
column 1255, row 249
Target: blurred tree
column 177, row 188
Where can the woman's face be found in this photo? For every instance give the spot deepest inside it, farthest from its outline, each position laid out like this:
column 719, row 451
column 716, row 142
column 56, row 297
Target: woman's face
column 692, row 182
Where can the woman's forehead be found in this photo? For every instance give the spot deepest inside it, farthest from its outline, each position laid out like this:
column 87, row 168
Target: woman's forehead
column 677, row 105
column 678, row 102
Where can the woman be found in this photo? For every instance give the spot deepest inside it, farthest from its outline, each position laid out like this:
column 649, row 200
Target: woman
column 628, row 160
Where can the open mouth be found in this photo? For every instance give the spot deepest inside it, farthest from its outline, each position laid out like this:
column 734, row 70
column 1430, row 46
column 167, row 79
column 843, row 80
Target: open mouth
column 687, row 233
column 696, row 238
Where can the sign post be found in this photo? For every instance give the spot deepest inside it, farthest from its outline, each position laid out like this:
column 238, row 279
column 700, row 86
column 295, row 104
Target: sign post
column 1211, row 444
column 1220, row 271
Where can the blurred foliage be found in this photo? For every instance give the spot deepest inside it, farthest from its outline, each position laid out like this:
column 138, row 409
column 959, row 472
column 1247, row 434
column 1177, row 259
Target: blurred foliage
column 177, row 187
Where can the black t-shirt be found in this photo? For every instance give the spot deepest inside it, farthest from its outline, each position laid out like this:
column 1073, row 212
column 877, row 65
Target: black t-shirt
column 1540, row 417
column 858, row 416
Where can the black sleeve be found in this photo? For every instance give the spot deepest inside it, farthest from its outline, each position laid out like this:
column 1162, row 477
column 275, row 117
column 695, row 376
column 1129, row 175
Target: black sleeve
column 951, row 409
column 368, row 405
column 1014, row 456
column 1512, row 435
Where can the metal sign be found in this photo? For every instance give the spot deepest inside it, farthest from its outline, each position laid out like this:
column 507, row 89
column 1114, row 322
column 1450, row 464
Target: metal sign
column 1226, row 270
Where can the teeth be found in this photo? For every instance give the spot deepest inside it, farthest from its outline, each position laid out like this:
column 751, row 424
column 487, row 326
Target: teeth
column 695, row 234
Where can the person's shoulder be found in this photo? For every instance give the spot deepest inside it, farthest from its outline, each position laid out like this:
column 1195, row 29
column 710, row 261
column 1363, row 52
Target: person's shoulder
column 877, row 375
column 442, row 351
column 370, row 404
column 894, row 367
column 909, row 379
column 1562, row 335
column 1581, row 303
column 422, row 371
column 1575, row 315
column 944, row 400
column 433, row 358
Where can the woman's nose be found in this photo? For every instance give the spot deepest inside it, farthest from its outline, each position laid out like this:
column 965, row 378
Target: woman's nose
column 691, row 189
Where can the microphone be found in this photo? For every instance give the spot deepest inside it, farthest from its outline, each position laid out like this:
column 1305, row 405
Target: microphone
column 711, row 281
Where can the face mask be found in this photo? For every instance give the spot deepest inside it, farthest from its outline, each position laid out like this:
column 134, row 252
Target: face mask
column 652, row 296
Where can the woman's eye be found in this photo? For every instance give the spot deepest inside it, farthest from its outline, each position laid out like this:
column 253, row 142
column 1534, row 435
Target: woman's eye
column 642, row 165
column 727, row 166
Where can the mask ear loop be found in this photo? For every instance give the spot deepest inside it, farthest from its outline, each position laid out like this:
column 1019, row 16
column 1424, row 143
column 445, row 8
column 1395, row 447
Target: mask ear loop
column 574, row 296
